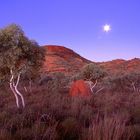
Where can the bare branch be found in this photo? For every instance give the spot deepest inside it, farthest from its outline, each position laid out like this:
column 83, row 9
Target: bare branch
column 11, row 79
column 94, row 85
column 11, row 71
column 99, row 90
column 18, row 79
column 25, row 88
column 133, row 85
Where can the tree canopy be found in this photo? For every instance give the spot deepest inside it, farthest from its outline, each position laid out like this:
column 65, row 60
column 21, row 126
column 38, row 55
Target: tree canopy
column 92, row 72
column 18, row 53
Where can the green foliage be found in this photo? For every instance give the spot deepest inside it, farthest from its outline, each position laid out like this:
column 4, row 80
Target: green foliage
column 93, row 72
column 17, row 52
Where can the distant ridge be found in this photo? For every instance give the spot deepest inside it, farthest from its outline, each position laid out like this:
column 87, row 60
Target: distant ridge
column 120, row 65
column 62, row 59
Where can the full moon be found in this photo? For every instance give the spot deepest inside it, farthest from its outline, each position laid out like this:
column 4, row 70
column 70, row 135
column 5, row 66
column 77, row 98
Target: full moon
column 106, row 28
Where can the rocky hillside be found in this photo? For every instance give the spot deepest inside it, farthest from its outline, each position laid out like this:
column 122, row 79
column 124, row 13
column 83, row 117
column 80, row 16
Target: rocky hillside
column 62, row 59
column 121, row 65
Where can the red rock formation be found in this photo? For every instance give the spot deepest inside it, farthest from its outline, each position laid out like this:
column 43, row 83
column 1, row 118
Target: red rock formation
column 62, row 59
column 79, row 88
column 120, row 65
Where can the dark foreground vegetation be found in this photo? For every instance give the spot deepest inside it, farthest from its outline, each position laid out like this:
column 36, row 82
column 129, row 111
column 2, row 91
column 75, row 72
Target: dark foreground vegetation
column 51, row 114
column 111, row 112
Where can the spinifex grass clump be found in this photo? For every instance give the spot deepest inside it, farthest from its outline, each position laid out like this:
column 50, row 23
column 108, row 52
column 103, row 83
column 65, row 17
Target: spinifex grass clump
column 110, row 128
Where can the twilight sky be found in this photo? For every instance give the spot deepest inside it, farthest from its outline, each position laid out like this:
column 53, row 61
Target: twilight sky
column 78, row 24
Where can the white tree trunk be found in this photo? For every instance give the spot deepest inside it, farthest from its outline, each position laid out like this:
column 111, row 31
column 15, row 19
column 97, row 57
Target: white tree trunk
column 22, row 99
column 91, row 85
column 17, row 100
column 17, row 91
column 14, row 89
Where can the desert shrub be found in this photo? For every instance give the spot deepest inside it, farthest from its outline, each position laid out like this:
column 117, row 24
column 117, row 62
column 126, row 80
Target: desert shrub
column 76, row 105
column 114, row 83
column 110, row 128
column 69, row 129
column 115, row 102
column 4, row 134
column 41, row 131
column 24, row 134
column 4, row 117
column 136, row 129
column 51, row 133
column 86, row 115
column 135, row 113
column 59, row 83
column 127, row 82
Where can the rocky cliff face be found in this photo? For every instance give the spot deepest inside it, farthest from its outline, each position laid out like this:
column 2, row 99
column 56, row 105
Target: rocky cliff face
column 62, row 59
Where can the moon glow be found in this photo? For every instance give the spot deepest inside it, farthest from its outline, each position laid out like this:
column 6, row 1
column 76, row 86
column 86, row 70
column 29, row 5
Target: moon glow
column 106, row 28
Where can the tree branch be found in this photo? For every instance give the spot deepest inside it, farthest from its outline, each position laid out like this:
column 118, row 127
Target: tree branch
column 94, row 85
column 18, row 79
column 133, row 85
column 99, row 90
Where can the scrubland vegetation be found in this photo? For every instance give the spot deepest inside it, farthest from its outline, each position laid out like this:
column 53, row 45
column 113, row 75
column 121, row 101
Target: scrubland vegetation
column 50, row 113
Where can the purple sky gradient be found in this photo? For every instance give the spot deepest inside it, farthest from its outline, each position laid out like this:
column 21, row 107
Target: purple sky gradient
column 77, row 24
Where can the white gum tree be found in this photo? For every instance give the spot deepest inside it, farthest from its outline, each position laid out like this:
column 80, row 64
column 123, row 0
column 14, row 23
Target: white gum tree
column 14, row 89
column 18, row 55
